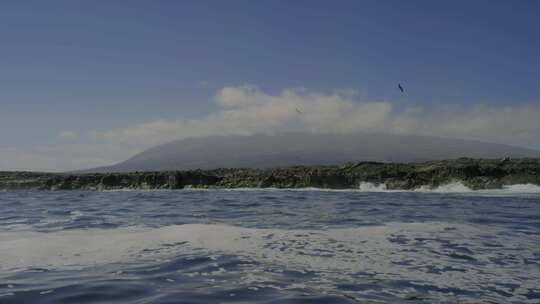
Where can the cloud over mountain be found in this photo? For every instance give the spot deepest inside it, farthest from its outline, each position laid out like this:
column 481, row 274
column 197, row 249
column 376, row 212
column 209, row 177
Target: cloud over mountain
column 248, row 110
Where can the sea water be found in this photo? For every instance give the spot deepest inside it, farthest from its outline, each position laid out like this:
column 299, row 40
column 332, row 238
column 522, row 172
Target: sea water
column 447, row 245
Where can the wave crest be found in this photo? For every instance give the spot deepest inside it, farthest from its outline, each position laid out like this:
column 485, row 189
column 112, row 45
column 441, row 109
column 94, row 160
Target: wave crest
column 455, row 187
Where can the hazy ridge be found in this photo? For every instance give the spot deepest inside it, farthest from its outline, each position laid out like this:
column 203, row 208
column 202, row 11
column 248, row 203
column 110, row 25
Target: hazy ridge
column 290, row 149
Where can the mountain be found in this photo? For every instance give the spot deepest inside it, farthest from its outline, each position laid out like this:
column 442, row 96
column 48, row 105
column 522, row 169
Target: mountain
column 289, row 149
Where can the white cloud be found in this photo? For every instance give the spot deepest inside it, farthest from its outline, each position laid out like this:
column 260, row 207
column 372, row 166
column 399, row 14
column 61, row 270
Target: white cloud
column 247, row 110
column 69, row 135
column 518, row 124
column 242, row 96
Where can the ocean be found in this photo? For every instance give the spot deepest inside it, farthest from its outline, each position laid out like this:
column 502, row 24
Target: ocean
column 370, row 245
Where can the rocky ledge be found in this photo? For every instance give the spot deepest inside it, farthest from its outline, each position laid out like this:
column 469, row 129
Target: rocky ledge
column 473, row 173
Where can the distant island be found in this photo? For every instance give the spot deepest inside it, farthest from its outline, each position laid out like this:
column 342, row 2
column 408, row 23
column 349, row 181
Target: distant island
column 289, row 149
column 475, row 174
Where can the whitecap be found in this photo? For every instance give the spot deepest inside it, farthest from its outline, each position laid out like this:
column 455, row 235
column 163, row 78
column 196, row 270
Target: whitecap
column 338, row 254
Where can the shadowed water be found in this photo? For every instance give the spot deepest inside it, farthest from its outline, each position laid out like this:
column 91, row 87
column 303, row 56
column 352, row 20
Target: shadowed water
column 269, row 246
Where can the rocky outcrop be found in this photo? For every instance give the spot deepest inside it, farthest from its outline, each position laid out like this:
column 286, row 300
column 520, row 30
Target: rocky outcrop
column 473, row 173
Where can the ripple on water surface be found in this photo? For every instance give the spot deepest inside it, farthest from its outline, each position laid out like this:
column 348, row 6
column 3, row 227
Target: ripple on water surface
column 268, row 247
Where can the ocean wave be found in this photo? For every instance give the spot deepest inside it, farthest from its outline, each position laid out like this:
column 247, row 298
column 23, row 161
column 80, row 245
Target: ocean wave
column 418, row 252
column 455, row 187
column 444, row 255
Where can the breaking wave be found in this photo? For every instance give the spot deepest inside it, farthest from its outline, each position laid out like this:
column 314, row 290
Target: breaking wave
column 456, row 187
column 453, row 187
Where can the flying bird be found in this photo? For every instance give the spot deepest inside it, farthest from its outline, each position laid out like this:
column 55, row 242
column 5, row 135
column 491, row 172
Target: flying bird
column 298, row 111
column 400, row 88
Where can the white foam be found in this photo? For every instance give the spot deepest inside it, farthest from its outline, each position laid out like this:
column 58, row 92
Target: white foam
column 456, row 187
column 75, row 214
column 79, row 248
column 370, row 187
column 335, row 254
column 453, row 187
column 522, row 188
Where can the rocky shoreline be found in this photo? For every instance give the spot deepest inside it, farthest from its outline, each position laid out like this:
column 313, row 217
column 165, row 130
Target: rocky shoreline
column 474, row 173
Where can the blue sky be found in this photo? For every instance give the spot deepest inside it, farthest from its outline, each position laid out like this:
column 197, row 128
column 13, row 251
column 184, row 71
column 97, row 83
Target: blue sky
column 86, row 83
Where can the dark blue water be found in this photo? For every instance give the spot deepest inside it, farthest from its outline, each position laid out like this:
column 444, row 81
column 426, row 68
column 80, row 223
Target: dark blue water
column 269, row 246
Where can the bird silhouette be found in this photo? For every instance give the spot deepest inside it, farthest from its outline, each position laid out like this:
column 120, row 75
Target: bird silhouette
column 298, row 111
column 400, row 88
